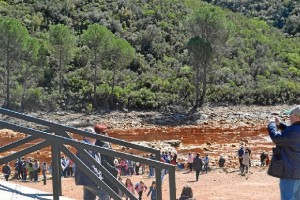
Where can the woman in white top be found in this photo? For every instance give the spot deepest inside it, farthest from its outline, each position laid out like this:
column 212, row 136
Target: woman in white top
column 246, row 162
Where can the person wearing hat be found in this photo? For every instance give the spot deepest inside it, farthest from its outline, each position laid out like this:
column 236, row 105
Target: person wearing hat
column 90, row 189
column 285, row 163
column 106, row 160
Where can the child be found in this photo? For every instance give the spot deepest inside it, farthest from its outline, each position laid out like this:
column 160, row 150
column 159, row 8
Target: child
column 152, row 191
column 129, row 186
column 140, row 188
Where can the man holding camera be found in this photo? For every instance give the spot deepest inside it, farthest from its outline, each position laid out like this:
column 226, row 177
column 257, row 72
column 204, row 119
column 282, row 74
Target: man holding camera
column 285, row 163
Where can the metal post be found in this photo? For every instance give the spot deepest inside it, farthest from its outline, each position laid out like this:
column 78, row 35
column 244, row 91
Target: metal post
column 172, row 184
column 158, row 179
column 56, row 176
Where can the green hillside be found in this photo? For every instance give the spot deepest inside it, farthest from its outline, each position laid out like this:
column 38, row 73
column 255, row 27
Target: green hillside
column 55, row 58
column 284, row 15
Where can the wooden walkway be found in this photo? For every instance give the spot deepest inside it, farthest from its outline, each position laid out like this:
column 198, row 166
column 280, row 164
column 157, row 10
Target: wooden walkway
column 12, row 191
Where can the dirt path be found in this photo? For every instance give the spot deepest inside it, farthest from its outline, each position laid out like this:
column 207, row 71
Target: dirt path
column 215, row 185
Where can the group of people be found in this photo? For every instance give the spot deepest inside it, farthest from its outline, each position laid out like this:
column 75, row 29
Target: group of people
column 129, row 167
column 25, row 169
column 68, row 167
column 199, row 164
column 244, row 156
column 138, row 188
column 116, row 166
column 30, row 169
column 264, row 159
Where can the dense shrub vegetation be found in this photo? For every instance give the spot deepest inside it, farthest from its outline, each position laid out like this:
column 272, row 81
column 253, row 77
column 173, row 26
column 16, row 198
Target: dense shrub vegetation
column 85, row 55
column 284, row 15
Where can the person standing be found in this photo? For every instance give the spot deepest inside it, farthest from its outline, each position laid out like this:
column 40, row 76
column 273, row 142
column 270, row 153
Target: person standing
column 263, row 158
column 285, row 163
column 36, row 169
column 267, row 160
column 20, row 169
column 130, row 167
column 206, row 162
column 245, row 162
column 24, row 167
column 221, row 161
column 106, row 160
column 6, row 170
column 249, row 152
column 190, row 161
column 44, row 170
column 130, row 187
column 140, row 187
column 197, row 165
column 123, row 166
column 30, row 170
column 174, row 159
column 163, row 171
column 241, row 152
column 152, row 191
column 151, row 169
column 137, row 168
column 90, row 189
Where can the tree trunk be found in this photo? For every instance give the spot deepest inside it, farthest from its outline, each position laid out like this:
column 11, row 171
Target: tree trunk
column 7, row 78
column 113, row 87
column 24, row 93
column 60, row 73
column 95, row 80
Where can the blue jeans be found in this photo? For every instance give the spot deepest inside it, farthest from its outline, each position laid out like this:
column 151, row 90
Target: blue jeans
column 151, row 171
column 206, row 167
column 289, row 189
column 90, row 193
column 163, row 173
column 35, row 175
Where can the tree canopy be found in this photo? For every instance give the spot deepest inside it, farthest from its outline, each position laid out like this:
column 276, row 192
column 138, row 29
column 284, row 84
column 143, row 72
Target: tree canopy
column 140, row 56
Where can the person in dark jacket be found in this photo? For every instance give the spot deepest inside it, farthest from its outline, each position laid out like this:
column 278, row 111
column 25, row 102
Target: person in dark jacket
column 285, row 163
column 241, row 152
column 90, row 189
column 6, row 170
column 221, row 161
column 197, row 165
column 263, row 158
column 186, row 193
column 106, row 161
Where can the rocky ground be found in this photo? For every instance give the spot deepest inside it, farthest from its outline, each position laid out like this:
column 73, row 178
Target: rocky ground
column 213, row 131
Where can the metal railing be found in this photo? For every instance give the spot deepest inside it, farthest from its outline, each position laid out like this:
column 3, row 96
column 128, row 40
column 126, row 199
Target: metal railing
column 57, row 136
